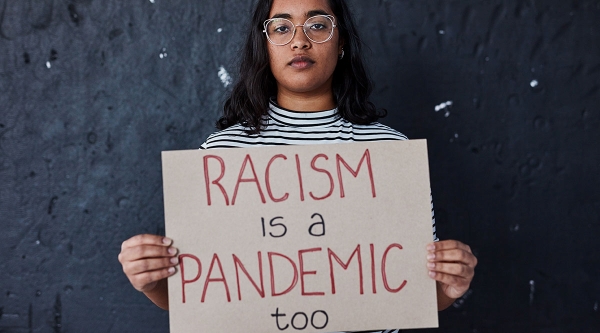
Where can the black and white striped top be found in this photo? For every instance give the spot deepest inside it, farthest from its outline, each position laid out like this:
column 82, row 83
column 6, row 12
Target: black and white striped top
column 286, row 127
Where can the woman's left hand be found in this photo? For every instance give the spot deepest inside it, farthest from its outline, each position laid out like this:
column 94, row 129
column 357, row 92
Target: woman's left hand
column 452, row 264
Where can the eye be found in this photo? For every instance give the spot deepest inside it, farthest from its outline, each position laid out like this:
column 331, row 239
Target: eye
column 281, row 29
column 317, row 26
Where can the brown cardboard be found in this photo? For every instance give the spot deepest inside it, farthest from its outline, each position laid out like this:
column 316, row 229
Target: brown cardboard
column 384, row 209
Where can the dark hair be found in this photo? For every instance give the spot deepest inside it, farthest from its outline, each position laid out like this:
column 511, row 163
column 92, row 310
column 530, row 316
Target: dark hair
column 249, row 99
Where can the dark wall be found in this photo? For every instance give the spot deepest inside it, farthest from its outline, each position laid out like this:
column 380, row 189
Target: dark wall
column 92, row 91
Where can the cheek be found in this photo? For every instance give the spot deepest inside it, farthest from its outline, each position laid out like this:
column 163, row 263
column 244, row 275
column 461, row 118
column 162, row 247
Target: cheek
column 276, row 60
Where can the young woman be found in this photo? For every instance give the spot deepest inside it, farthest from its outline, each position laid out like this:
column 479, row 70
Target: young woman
column 302, row 81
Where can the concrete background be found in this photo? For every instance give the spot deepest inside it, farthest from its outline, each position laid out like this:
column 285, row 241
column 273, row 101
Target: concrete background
column 92, row 91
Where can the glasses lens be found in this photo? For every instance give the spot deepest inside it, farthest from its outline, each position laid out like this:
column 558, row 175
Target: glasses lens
column 280, row 31
column 318, row 28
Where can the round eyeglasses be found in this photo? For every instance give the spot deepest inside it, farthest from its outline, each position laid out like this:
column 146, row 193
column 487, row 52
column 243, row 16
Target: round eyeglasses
column 318, row 29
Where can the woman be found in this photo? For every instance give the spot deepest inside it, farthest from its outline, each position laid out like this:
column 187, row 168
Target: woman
column 303, row 56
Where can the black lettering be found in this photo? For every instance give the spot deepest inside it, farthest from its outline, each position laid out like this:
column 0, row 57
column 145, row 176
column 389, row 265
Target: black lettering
column 278, row 225
column 312, row 320
column 305, row 320
column 321, row 223
column 277, row 315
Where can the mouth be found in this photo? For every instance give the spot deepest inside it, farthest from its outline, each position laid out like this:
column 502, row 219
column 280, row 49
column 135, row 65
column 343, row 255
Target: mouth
column 301, row 62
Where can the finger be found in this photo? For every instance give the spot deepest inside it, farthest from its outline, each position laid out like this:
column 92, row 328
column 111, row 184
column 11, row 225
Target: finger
column 143, row 280
column 457, row 285
column 147, row 265
column 146, row 239
column 146, row 252
column 459, row 270
column 455, row 255
column 448, row 245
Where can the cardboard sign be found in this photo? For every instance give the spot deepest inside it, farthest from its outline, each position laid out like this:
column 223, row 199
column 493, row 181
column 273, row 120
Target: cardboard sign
column 315, row 238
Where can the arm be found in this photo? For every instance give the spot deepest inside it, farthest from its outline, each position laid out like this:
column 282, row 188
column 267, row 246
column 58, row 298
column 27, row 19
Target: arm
column 443, row 300
column 159, row 295
column 148, row 260
column 452, row 264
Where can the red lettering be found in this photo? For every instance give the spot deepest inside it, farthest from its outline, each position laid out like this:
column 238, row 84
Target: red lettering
column 182, row 267
column 295, row 280
column 345, row 267
column 331, row 184
column 373, row 284
column 268, row 183
column 300, row 177
column 302, row 272
column 209, row 279
column 367, row 157
column 238, row 263
column 247, row 180
column 384, row 273
column 216, row 181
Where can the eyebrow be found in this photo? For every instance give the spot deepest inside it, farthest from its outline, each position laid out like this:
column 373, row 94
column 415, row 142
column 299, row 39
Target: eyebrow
column 311, row 13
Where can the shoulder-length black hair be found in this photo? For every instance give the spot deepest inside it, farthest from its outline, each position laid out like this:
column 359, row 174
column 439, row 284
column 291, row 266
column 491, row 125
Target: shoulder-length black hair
column 249, row 99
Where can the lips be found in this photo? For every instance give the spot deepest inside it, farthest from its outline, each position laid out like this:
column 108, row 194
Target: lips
column 301, row 62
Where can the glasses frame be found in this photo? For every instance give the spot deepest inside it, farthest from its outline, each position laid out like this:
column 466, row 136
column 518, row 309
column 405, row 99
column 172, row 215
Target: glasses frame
column 330, row 17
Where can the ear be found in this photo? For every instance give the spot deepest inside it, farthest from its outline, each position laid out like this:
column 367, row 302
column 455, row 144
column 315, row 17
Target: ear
column 341, row 45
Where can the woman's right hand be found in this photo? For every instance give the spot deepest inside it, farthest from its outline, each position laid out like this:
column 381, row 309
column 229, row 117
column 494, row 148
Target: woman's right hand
column 147, row 259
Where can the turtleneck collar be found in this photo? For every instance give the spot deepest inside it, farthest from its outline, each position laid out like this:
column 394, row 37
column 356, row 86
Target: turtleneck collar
column 281, row 116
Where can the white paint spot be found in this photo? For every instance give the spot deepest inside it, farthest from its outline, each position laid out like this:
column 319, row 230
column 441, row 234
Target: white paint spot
column 152, row 1
column 48, row 64
column 534, row 83
column 443, row 106
column 163, row 53
column 515, row 228
column 442, row 32
column 10, row 316
column 456, row 135
column 447, row 114
column 531, row 291
column 224, row 76
column 219, row 30
column 37, row 242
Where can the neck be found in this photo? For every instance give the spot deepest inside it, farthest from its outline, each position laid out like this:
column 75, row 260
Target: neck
column 305, row 102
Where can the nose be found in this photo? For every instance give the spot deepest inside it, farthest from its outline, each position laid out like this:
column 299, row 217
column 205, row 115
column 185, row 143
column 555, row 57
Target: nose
column 300, row 40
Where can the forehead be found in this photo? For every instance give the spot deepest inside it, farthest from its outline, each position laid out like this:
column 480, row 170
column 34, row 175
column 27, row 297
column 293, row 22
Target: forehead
column 299, row 8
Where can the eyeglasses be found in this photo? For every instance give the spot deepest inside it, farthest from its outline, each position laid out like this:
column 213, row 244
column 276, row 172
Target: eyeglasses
column 318, row 29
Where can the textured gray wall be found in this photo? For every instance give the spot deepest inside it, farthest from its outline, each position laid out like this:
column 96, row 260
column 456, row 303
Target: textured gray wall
column 91, row 91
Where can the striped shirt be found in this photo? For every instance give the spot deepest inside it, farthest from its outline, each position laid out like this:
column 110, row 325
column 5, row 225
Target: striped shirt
column 287, row 127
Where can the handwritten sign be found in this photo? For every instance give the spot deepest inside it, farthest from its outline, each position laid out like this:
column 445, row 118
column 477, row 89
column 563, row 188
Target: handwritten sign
column 317, row 238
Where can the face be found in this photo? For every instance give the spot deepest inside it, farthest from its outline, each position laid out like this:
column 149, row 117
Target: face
column 303, row 66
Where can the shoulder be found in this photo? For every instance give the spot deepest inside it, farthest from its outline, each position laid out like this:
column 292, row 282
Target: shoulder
column 231, row 137
column 377, row 131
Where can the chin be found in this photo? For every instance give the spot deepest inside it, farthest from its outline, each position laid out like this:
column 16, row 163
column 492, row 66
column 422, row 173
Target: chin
column 304, row 86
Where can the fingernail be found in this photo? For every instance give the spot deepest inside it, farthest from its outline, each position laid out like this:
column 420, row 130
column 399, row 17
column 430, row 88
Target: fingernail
column 167, row 241
column 431, row 274
column 431, row 265
column 172, row 250
column 174, row 260
column 431, row 256
column 172, row 270
column 430, row 247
